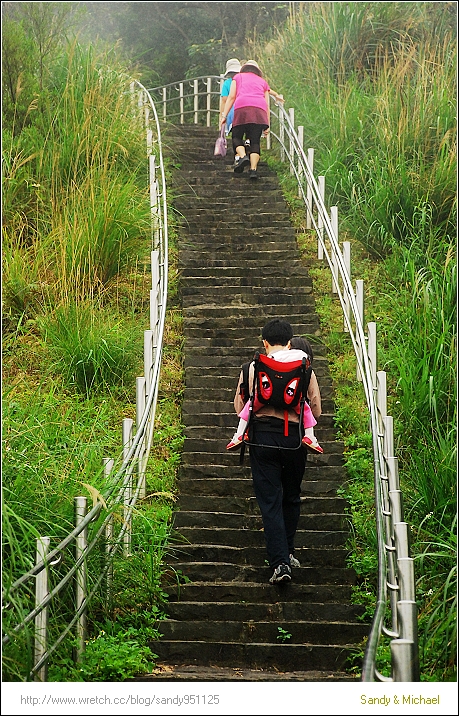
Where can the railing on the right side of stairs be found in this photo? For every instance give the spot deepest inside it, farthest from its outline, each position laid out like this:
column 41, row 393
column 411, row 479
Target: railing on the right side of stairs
column 191, row 101
column 396, row 612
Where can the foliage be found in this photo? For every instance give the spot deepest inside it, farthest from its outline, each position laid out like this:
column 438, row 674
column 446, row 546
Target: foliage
column 76, row 289
column 379, row 111
column 90, row 350
column 108, row 657
column 209, row 34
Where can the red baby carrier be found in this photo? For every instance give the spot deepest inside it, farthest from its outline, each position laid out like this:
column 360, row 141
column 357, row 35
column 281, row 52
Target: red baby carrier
column 283, row 386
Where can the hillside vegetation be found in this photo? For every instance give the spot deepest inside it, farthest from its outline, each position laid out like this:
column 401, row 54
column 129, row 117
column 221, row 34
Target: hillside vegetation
column 373, row 84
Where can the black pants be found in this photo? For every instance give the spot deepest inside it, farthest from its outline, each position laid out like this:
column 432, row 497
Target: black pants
column 249, row 131
column 277, row 475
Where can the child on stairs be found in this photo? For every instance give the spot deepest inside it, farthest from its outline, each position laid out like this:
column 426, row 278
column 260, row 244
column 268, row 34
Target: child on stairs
column 298, row 348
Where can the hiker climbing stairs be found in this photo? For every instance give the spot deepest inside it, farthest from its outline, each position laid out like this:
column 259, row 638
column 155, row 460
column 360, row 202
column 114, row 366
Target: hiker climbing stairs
column 240, row 267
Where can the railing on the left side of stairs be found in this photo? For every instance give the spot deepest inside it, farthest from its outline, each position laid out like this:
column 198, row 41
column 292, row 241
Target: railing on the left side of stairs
column 88, row 550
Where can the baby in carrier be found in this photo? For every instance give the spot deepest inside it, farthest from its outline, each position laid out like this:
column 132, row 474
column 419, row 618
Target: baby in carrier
column 298, row 349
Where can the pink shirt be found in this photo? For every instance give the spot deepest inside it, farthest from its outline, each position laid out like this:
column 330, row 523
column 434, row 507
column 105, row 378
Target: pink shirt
column 250, row 91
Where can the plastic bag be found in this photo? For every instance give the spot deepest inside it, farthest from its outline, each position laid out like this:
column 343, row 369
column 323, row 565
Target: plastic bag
column 221, row 144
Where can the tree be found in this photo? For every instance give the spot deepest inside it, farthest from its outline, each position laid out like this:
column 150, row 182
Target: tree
column 172, row 40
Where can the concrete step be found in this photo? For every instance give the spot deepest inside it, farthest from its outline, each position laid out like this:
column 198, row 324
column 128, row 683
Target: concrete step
column 254, row 631
column 225, row 572
column 322, row 433
column 194, row 520
column 173, row 673
column 240, row 538
column 308, row 556
column 228, row 420
column 313, row 595
column 284, row 656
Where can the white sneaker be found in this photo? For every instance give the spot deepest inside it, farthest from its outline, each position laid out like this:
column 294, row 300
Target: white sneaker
column 294, row 562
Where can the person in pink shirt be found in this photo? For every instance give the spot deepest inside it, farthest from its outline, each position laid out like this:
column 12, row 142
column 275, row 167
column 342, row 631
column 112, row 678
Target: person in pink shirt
column 249, row 93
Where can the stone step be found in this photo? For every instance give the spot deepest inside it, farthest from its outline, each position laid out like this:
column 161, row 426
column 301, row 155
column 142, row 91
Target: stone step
column 270, row 297
column 204, row 446
column 194, row 520
column 232, row 310
column 225, row 572
column 311, row 595
column 228, row 420
column 200, row 201
column 284, row 656
column 248, row 505
column 173, row 673
column 226, row 457
column 262, row 241
column 322, row 433
column 236, row 480
column 242, row 272
column 218, row 259
column 240, row 538
column 254, row 631
column 227, row 285
column 308, row 556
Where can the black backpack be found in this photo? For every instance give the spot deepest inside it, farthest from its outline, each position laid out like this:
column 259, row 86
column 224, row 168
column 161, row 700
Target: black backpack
column 281, row 385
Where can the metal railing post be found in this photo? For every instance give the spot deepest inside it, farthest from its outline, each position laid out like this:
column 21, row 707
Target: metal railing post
column 209, row 99
column 281, row 134
column 164, row 103
column 41, row 620
column 300, row 166
column 372, row 352
column 360, row 303
column 182, row 116
column 140, row 403
column 196, row 100
column 309, row 202
column 148, row 358
column 334, row 261
column 127, row 441
column 154, row 293
column 347, row 266
column 108, row 467
column 291, row 114
column 320, row 221
column 81, row 542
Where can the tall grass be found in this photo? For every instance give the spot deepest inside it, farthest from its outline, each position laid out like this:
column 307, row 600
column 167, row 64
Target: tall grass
column 375, row 90
column 76, row 231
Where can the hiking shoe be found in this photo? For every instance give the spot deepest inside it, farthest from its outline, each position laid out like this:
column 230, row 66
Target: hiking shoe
column 282, row 573
column 235, row 442
column 308, row 443
column 294, row 562
column 240, row 163
column 253, row 174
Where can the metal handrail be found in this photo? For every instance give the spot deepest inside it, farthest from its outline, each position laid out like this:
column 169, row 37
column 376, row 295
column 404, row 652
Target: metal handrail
column 405, row 666
column 395, row 567
column 137, row 451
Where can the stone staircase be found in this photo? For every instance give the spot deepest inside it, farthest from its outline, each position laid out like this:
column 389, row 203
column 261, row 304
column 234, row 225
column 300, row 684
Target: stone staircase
column 240, row 267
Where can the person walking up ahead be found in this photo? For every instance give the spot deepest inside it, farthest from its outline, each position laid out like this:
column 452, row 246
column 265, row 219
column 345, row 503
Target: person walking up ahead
column 249, row 93
column 233, row 66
